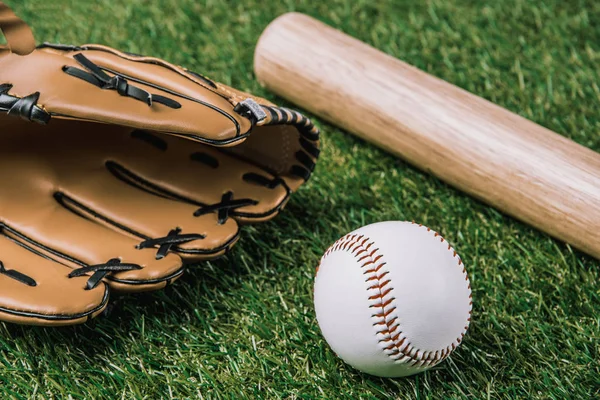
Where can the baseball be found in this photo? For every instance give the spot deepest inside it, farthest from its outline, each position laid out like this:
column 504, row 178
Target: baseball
column 393, row 298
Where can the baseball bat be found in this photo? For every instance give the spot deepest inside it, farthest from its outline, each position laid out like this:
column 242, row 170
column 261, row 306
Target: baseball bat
column 505, row 160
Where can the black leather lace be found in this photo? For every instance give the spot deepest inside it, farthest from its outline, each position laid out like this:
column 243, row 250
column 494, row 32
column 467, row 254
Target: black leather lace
column 23, row 107
column 224, row 207
column 167, row 242
column 223, row 210
column 96, row 76
column 16, row 275
column 101, row 270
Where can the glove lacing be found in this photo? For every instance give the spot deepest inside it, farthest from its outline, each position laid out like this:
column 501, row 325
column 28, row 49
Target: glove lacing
column 96, row 76
column 101, row 270
column 167, row 242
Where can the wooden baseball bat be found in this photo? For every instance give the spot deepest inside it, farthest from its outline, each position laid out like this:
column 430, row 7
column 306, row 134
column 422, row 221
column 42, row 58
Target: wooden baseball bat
column 511, row 163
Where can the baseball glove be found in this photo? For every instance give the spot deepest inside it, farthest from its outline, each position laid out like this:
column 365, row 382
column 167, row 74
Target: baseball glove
column 115, row 168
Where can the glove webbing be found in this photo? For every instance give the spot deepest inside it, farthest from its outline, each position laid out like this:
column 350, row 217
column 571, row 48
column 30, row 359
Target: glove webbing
column 261, row 115
column 309, row 134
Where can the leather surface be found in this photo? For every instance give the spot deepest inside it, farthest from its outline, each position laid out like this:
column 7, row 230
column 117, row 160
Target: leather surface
column 106, row 217
column 114, row 190
column 203, row 112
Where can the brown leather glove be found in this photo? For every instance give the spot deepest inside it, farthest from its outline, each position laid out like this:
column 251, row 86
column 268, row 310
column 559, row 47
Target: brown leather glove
column 130, row 165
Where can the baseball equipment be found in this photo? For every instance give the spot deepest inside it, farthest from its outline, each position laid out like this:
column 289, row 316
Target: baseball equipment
column 392, row 298
column 114, row 167
column 521, row 168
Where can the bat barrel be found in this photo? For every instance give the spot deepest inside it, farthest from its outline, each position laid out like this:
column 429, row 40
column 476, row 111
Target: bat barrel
column 509, row 162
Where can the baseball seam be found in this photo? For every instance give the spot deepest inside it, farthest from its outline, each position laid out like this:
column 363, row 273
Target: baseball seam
column 381, row 296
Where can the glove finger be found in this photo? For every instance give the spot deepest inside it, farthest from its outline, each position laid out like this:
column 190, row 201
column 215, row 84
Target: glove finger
column 206, row 176
column 38, row 291
column 154, row 221
column 87, row 247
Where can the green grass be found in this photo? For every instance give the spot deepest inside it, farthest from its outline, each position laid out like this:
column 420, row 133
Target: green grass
column 244, row 326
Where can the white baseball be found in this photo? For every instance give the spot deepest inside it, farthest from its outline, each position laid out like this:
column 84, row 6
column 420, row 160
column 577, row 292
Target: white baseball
column 392, row 298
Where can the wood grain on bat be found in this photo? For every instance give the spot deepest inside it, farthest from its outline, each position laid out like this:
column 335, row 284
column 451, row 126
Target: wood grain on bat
column 521, row 168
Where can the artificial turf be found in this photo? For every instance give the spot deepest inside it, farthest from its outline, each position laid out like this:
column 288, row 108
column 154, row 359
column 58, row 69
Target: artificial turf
column 244, row 326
